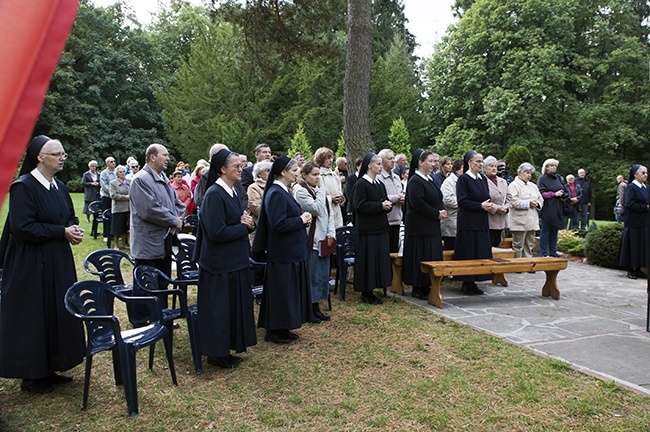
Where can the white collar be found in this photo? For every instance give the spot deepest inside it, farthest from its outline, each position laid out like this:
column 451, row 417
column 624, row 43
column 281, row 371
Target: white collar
column 42, row 180
column 477, row 176
column 282, row 185
column 427, row 178
column 367, row 178
column 636, row 182
column 225, row 187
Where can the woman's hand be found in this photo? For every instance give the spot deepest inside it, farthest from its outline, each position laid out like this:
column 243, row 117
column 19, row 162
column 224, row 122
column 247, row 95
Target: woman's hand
column 387, row 205
column 330, row 241
column 74, row 234
column 247, row 220
column 559, row 193
column 487, row 205
column 306, row 218
column 442, row 214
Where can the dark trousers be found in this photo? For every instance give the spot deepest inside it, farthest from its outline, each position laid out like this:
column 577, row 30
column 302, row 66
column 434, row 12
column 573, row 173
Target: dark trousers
column 573, row 215
column 584, row 215
column 495, row 237
column 106, row 205
column 450, row 242
column 393, row 238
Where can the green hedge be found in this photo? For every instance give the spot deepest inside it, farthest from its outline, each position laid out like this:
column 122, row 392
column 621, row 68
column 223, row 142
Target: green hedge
column 603, row 245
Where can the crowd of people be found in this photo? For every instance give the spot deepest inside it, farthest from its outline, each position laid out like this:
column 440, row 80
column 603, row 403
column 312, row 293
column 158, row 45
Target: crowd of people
column 280, row 211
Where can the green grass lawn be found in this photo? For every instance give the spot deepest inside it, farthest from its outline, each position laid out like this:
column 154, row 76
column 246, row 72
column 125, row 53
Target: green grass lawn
column 389, row 367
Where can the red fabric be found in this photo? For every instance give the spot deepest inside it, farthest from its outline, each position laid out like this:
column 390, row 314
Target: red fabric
column 32, row 38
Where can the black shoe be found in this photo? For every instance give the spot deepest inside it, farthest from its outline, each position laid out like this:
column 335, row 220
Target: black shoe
column 40, row 386
column 420, row 293
column 641, row 275
column 318, row 314
column 631, row 275
column 370, row 298
column 470, row 288
column 277, row 338
column 289, row 334
column 236, row 360
column 54, row 378
column 223, row 362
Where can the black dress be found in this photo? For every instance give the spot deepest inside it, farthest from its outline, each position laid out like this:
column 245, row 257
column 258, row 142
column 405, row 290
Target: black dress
column 473, row 232
column 372, row 259
column 37, row 334
column 286, row 299
column 635, row 234
column 423, row 241
column 225, row 301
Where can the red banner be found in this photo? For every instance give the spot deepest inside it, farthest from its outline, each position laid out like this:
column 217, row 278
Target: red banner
column 32, row 38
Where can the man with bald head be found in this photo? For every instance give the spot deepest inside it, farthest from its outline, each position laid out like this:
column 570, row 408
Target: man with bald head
column 156, row 212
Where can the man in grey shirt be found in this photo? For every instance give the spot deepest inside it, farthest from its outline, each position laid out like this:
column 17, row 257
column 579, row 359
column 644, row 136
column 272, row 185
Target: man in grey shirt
column 156, row 212
column 393, row 185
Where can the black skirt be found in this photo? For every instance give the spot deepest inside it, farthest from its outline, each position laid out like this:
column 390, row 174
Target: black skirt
column 225, row 313
column 416, row 250
column 372, row 262
column 286, row 299
column 633, row 247
column 473, row 245
column 119, row 223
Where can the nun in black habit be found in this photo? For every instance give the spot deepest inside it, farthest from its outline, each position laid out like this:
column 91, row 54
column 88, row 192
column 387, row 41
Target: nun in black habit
column 633, row 253
column 473, row 233
column 281, row 241
column 371, row 206
column 423, row 211
column 225, row 300
column 37, row 334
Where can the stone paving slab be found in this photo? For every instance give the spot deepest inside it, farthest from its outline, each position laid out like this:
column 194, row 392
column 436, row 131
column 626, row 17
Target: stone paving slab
column 598, row 325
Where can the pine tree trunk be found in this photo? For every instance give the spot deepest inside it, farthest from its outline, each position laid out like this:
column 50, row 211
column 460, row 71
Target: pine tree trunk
column 356, row 86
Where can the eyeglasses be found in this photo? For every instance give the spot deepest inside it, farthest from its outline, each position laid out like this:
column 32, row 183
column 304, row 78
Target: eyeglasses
column 135, row 166
column 59, row 155
column 237, row 166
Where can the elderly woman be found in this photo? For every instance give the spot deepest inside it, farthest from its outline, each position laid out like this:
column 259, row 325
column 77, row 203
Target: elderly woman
column 524, row 219
column 256, row 189
column 500, row 198
column 635, row 233
column 448, row 189
column 473, row 235
column 90, row 182
column 424, row 210
column 281, row 236
column 120, row 212
column 37, row 334
column 182, row 190
column 330, row 182
column 371, row 207
column 551, row 187
column 225, row 300
column 312, row 199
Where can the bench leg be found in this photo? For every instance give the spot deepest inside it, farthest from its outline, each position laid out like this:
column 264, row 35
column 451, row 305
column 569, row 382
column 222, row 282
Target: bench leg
column 500, row 278
column 550, row 286
column 396, row 285
column 435, row 298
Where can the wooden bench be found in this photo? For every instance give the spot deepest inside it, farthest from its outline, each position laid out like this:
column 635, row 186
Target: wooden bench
column 397, row 263
column 497, row 267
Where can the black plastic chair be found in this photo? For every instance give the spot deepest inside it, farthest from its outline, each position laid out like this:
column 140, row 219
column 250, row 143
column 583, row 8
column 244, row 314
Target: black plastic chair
column 108, row 263
column 92, row 302
column 95, row 208
column 258, row 288
column 193, row 221
column 147, row 282
column 345, row 252
column 186, row 268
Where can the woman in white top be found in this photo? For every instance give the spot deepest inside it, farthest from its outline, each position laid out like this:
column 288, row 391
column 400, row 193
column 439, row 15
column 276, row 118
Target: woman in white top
column 312, row 199
column 524, row 219
column 330, row 182
column 448, row 189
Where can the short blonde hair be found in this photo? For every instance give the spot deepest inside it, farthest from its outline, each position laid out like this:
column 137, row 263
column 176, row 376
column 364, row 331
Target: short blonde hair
column 322, row 154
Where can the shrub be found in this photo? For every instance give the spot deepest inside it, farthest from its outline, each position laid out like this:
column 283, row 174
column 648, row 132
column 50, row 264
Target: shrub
column 399, row 139
column 517, row 154
column 300, row 143
column 570, row 242
column 74, row 185
column 602, row 246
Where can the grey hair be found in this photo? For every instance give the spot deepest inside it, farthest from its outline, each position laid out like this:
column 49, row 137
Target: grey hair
column 120, row 167
column 489, row 161
column 92, row 162
column 549, row 162
column 216, row 147
column 261, row 167
column 384, row 152
column 525, row 167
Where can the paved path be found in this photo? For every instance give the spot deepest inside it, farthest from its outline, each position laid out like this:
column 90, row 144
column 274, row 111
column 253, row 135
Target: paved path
column 598, row 325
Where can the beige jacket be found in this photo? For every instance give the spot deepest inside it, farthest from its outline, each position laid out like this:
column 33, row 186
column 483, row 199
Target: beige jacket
column 522, row 217
column 500, row 197
column 331, row 183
